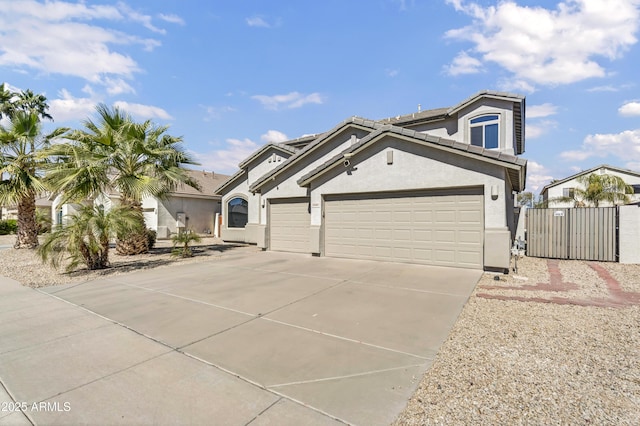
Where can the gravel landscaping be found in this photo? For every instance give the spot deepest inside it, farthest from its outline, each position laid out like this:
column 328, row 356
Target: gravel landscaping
column 523, row 362
column 25, row 266
column 550, row 344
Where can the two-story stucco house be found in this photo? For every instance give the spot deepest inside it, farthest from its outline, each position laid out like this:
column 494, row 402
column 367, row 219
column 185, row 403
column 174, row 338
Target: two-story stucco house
column 435, row 187
column 554, row 193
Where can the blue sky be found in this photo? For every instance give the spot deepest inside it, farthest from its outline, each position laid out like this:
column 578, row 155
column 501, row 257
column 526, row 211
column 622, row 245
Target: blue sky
column 228, row 76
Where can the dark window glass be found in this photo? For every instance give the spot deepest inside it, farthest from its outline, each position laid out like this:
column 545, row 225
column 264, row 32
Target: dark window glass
column 491, row 136
column 237, row 216
column 636, row 189
column 484, row 118
column 476, row 136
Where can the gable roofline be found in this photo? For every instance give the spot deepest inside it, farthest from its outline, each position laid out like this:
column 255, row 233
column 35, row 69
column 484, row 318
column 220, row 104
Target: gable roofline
column 302, row 140
column 277, row 146
column 586, row 172
column 492, row 94
column 357, row 122
column 221, row 189
column 516, row 165
column 438, row 114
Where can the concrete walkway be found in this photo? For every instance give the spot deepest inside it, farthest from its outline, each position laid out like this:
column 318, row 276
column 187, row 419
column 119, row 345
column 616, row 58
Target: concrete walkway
column 254, row 338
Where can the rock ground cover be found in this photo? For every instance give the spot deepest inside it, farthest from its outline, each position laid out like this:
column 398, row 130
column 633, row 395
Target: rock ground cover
column 528, row 362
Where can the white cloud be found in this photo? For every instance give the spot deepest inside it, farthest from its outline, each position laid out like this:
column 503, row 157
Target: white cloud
column 545, row 46
column 70, row 108
column 290, row 100
column 464, row 64
column 274, row 136
column 630, row 109
column 226, row 160
column 59, row 37
column 260, row 22
column 215, row 113
column 173, row 19
column 625, row 146
column 537, row 176
column 542, row 110
column 143, row 112
column 116, row 86
column 539, row 128
column 391, row 72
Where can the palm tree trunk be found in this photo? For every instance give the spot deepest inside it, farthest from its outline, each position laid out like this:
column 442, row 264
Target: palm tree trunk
column 27, row 234
column 135, row 242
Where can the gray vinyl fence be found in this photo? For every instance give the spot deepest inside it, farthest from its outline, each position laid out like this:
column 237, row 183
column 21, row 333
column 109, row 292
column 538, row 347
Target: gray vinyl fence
column 573, row 233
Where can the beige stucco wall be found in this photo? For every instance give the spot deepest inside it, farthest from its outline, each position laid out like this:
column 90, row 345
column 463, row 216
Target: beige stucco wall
column 254, row 170
column 200, row 214
column 287, row 186
column 418, row 167
column 414, row 167
column 489, row 106
column 629, row 234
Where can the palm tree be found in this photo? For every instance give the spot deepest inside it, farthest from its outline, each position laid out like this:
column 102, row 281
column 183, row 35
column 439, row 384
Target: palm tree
column 607, row 188
column 117, row 154
column 19, row 170
column 597, row 188
column 85, row 238
column 182, row 243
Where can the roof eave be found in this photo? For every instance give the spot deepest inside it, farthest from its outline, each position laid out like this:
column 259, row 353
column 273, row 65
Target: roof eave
column 519, row 165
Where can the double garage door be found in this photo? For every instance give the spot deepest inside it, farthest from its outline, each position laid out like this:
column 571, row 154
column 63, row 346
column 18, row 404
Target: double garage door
column 435, row 228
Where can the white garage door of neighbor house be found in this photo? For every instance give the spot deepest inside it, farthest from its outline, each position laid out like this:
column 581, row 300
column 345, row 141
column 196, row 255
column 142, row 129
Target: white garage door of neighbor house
column 442, row 228
column 289, row 222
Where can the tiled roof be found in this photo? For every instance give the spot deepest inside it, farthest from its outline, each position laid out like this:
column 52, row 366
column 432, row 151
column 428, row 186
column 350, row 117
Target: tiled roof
column 481, row 153
column 361, row 122
column 209, row 182
column 261, row 150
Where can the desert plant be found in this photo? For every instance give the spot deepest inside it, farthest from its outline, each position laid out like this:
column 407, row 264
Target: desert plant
column 152, row 236
column 85, row 237
column 116, row 153
column 182, row 243
column 43, row 219
column 8, row 226
column 20, row 164
column 597, row 188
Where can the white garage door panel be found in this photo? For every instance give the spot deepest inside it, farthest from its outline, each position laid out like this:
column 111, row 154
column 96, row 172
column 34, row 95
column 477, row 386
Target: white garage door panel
column 437, row 229
column 289, row 226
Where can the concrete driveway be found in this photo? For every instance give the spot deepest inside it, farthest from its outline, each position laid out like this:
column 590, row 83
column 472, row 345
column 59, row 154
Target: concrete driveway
column 254, row 337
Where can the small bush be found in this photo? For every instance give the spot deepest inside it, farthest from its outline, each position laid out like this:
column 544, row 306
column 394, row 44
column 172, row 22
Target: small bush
column 151, row 238
column 182, row 243
column 43, row 219
column 8, row 226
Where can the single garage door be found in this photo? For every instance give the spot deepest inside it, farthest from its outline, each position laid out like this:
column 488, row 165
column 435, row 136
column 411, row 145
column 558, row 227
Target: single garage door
column 289, row 225
column 435, row 228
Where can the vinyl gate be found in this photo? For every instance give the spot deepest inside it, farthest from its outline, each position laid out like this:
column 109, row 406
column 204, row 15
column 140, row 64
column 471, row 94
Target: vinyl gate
column 573, row 233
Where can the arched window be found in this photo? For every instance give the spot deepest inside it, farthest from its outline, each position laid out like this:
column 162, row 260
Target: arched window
column 485, row 131
column 237, row 216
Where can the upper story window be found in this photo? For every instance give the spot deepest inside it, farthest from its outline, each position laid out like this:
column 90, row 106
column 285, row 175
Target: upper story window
column 237, row 213
column 485, row 131
column 636, row 189
column 568, row 192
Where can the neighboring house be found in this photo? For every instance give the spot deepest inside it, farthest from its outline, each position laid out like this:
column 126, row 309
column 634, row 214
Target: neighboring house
column 553, row 192
column 184, row 208
column 434, row 187
column 43, row 203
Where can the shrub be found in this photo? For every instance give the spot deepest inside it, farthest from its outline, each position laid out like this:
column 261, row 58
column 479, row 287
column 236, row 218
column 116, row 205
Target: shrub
column 182, row 243
column 8, row 226
column 151, row 238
